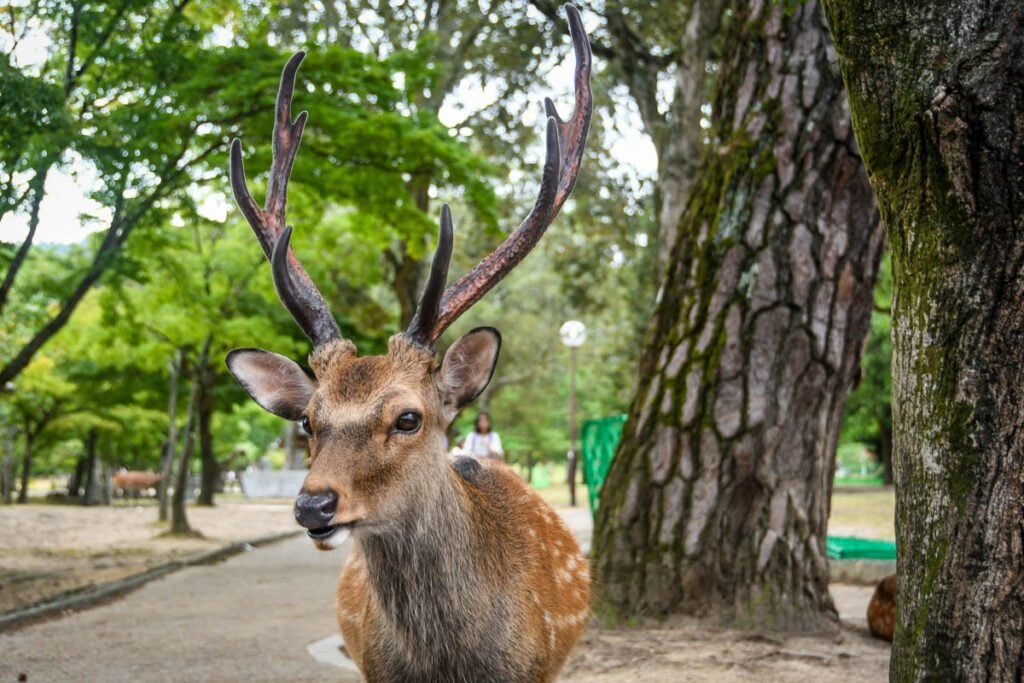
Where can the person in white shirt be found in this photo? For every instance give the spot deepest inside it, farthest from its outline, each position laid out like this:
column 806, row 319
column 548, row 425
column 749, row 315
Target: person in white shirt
column 482, row 442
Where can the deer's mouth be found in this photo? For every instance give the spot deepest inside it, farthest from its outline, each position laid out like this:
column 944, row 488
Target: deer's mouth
column 330, row 537
column 324, row 532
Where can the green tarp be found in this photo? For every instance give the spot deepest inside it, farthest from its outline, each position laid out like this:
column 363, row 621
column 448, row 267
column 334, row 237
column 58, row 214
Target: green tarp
column 850, row 548
column 601, row 437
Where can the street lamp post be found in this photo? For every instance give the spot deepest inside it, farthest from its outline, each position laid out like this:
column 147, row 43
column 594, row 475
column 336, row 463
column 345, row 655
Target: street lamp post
column 573, row 334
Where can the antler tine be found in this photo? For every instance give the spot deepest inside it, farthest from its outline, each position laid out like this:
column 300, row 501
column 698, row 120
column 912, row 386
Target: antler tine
column 422, row 324
column 565, row 143
column 307, row 306
column 294, row 286
column 573, row 133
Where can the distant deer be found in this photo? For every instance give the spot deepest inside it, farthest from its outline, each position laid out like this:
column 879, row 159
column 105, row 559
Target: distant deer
column 128, row 482
column 458, row 570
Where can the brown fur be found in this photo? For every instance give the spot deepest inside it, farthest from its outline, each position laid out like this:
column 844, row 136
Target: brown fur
column 135, row 481
column 451, row 576
column 882, row 609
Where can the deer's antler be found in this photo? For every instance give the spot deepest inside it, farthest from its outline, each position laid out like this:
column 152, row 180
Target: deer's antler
column 294, row 286
column 565, row 142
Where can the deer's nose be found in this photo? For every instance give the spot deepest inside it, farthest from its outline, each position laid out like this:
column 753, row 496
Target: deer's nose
column 315, row 510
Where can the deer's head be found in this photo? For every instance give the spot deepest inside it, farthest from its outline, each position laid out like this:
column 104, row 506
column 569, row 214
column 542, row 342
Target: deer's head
column 376, row 424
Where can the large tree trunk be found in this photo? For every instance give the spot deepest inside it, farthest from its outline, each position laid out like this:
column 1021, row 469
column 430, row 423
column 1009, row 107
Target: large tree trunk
column 885, row 446
column 717, row 500
column 937, row 92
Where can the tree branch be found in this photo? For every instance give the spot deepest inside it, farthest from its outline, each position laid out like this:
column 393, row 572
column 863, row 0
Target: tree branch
column 37, row 188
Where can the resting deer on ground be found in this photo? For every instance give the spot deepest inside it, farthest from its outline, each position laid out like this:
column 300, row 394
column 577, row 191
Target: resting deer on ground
column 882, row 609
column 457, row 571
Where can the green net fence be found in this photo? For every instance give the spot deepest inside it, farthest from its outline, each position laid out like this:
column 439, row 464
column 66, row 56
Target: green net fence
column 600, row 438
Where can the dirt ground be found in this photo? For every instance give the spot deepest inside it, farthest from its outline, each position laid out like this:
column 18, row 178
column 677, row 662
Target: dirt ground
column 46, row 550
column 684, row 650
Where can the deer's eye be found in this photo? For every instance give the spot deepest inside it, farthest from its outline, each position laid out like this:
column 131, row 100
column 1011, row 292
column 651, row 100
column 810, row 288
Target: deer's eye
column 307, row 428
column 408, row 423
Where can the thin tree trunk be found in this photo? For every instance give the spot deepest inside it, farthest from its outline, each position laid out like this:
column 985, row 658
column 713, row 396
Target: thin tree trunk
column 26, row 465
column 210, row 468
column 681, row 140
column 179, row 518
column 94, row 473
column 75, row 483
column 294, row 455
column 8, row 466
column 717, row 500
column 170, row 446
column 81, row 466
column 937, row 92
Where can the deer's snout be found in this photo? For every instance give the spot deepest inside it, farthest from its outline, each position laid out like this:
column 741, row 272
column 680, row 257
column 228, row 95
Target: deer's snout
column 316, row 510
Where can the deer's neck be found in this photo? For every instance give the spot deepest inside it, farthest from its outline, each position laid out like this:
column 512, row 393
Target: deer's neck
column 423, row 568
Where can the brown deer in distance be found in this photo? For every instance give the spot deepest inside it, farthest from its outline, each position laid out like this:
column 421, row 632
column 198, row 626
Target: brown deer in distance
column 458, row 571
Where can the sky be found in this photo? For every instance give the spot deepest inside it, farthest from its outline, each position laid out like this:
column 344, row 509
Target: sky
column 67, row 215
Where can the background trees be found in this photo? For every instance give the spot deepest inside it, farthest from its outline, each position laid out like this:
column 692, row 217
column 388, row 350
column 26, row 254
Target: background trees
column 163, row 87
column 938, row 114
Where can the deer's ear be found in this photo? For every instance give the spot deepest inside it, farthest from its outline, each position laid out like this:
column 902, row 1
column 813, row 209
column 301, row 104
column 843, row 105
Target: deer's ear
column 468, row 366
column 280, row 385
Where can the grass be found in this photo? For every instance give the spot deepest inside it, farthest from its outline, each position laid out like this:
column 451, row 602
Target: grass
column 861, row 511
column 557, row 495
column 864, row 512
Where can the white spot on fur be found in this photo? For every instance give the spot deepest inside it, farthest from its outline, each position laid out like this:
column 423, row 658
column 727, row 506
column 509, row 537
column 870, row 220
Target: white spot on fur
column 551, row 629
column 570, row 620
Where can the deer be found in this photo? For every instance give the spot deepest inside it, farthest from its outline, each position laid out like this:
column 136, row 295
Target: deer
column 456, row 570
column 882, row 609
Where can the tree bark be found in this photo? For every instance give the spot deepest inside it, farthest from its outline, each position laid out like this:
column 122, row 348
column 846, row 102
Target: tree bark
column 7, row 465
column 294, row 453
column 26, row 465
column 179, row 517
column 75, row 482
column 171, row 445
column 211, row 468
column 939, row 113
column 680, row 139
column 94, row 473
column 885, row 446
column 717, row 500
column 676, row 132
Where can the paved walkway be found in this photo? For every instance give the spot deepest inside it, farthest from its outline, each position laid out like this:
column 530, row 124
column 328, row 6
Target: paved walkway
column 225, row 622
